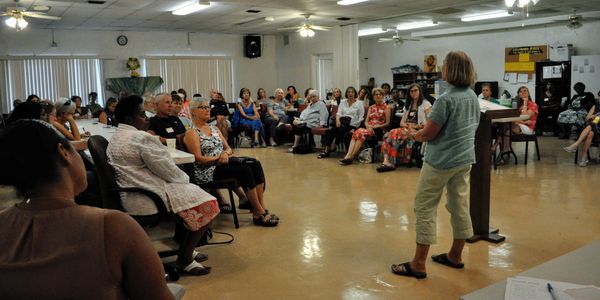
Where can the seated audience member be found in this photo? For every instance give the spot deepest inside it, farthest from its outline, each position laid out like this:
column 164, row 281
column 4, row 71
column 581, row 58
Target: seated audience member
column 122, row 94
column 176, row 106
column 349, row 116
column 365, row 97
column 81, row 112
column 378, row 120
column 16, row 103
column 337, row 96
column 185, row 111
column 526, row 107
column 32, row 98
column 486, row 93
column 587, row 135
column 107, row 116
column 140, row 160
column 249, row 117
column 261, row 96
column 75, row 252
column 215, row 161
column 549, row 110
column 65, row 121
column 313, row 116
column 164, row 124
column 219, row 112
column 397, row 143
column 576, row 110
column 386, row 92
column 292, row 96
column 397, row 100
column 276, row 115
column 149, row 106
column 92, row 106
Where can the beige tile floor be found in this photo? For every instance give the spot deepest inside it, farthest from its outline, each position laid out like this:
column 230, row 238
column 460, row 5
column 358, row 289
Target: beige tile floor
column 342, row 227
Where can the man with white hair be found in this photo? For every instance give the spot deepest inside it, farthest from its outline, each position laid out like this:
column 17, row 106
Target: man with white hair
column 163, row 124
column 149, row 106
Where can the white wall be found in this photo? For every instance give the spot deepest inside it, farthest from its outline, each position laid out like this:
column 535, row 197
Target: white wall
column 251, row 73
column 295, row 65
column 486, row 50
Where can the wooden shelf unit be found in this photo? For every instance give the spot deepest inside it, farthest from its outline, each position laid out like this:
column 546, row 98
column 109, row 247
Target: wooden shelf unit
column 427, row 80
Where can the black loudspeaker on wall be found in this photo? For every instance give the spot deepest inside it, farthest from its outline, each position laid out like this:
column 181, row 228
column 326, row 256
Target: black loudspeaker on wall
column 252, row 46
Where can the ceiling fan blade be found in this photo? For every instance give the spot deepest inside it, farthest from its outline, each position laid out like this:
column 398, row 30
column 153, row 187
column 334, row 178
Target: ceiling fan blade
column 322, row 28
column 40, row 16
column 4, row 14
column 385, row 40
column 288, row 28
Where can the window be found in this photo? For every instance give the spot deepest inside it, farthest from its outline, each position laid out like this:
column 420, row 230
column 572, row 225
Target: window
column 194, row 74
column 51, row 78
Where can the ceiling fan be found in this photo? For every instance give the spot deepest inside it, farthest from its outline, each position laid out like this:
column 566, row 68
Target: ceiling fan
column 17, row 16
column 397, row 39
column 575, row 21
column 306, row 29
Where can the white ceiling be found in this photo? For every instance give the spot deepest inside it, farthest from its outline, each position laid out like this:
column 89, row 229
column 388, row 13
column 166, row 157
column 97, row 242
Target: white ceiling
column 230, row 16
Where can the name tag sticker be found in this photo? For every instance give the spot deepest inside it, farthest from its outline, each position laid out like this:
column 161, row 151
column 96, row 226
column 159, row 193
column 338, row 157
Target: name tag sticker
column 170, row 130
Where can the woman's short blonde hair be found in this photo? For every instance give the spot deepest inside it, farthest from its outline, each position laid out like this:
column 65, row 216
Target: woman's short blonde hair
column 377, row 90
column 459, row 69
column 278, row 90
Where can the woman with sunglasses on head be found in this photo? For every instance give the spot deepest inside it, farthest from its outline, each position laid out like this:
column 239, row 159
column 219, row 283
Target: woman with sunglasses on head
column 215, row 161
column 65, row 119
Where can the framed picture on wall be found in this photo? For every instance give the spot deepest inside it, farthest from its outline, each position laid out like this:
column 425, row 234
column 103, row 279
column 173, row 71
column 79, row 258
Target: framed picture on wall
column 430, row 64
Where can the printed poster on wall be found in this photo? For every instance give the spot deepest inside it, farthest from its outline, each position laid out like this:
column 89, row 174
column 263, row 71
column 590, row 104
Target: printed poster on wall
column 523, row 59
column 430, row 64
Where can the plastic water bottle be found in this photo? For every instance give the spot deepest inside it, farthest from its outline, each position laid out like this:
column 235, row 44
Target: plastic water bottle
column 514, row 103
column 89, row 114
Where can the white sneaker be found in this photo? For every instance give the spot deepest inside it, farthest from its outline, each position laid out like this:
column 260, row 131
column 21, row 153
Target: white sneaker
column 569, row 149
column 584, row 163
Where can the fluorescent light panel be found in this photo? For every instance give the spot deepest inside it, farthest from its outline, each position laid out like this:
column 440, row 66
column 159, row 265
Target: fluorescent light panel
column 415, row 25
column 191, row 8
column 370, row 31
column 485, row 16
column 350, row 2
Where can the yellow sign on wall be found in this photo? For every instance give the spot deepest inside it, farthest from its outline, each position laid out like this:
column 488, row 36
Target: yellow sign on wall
column 523, row 59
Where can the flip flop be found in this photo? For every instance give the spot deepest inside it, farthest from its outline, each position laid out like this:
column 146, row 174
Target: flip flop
column 444, row 260
column 408, row 271
column 385, row 168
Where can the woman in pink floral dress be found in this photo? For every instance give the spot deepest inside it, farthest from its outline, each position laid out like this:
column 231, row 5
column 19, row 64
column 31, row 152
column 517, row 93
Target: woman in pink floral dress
column 378, row 119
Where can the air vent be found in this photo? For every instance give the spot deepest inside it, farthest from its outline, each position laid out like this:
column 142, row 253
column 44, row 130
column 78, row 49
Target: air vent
column 253, row 11
column 99, row 2
column 344, row 19
column 447, row 11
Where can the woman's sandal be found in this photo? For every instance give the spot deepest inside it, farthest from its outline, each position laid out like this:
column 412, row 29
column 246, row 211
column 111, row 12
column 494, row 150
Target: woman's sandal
column 274, row 216
column 194, row 268
column 226, row 209
column 385, row 168
column 263, row 221
column 346, row 161
column 323, row 154
column 405, row 270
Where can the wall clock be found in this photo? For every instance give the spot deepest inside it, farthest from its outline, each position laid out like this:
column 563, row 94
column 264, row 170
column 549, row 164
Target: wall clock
column 122, row 40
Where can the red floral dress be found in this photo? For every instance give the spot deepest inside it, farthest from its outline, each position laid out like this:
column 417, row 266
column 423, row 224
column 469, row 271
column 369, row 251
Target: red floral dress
column 397, row 144
column 376, row 114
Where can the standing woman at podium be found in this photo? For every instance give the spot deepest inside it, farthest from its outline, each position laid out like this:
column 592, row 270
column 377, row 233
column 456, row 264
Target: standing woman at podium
column 450, row 133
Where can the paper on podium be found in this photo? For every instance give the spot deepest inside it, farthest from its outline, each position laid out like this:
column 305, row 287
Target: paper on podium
column 485, row 105
column 529, row 288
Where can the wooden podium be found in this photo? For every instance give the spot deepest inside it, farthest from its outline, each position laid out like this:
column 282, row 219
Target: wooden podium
column 481, row 171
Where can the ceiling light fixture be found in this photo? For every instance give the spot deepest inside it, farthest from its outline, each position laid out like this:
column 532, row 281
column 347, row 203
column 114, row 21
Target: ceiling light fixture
column 350, row 2
column 306, row 32
column 17, row 23
column 370, row 31
column 520, row 3
column 191, row 8
column 269, row 19
column 487, row 15
column 415, row 25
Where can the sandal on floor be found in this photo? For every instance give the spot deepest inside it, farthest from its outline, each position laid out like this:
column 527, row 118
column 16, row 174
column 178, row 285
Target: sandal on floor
column 263, row 221
column 444, row 260
column 226, row 209
column 385, row 168
column 274, row 216
column 199, row 257
column 195, row 268
column 323, row 155
column 346, row 161
column 407, row 271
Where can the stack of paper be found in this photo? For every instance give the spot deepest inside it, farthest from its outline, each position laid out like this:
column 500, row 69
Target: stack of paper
column 528, row 288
